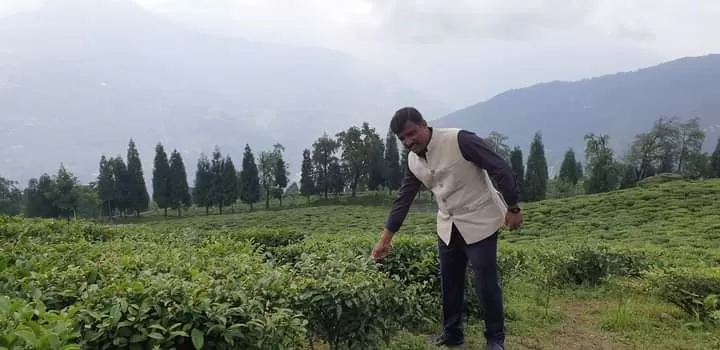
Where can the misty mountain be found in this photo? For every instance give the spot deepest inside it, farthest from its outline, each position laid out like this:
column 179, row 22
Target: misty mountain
column 620, row 105
column 79, row 78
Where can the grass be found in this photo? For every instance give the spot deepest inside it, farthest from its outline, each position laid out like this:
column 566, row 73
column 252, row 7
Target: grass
column 645, row 245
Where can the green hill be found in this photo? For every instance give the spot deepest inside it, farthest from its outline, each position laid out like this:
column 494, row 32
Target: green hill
column 628, row 269
column 565, row 111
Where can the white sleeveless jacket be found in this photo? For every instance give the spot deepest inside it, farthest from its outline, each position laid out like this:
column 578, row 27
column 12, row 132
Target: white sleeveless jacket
column 463, row 191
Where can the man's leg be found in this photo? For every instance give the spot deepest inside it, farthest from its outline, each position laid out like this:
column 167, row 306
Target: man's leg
column 483, row 257
column 453, row 264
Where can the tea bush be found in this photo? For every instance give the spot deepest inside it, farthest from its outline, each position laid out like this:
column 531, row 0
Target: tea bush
column 289, row 279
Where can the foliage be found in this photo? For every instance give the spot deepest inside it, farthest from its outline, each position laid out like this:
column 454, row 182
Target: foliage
column 695, row 291
column 281, row 280
column 249, row 178
column 10, row 197
column 536, row 171
column 29, row 325
column 161, row 178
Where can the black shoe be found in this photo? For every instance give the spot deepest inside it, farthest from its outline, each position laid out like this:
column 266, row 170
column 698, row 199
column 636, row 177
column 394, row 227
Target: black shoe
column 494, row 345
column 445, row 340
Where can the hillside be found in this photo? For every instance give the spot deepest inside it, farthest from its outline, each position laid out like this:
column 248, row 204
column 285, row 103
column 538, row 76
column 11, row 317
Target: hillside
column 78, row 78
column 679, row 214
column 620, row 105
column 607, row 271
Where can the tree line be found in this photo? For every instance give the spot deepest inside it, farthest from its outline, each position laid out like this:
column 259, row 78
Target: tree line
column 353, row 160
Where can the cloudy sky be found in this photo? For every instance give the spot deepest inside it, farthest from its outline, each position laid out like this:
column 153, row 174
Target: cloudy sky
column 465, row 51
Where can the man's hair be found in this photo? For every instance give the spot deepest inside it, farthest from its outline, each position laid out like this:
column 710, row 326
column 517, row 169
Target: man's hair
column 403, row 115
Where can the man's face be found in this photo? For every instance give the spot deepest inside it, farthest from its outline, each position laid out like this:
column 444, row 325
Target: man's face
column 414, row 137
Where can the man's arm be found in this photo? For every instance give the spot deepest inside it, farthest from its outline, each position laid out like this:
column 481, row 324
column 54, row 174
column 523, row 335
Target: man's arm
column 406, row 194
column 476, row 150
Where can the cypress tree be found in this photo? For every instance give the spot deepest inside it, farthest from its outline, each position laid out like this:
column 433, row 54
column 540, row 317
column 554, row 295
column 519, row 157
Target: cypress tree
column 179, row 191
column 217, row 187
column 161, row 179
column 249, row 179
column 281, row 178
column 105, row 186
column 138, row 195
column 230, row 182
column 203, row 184
column 518, row 168
column 307, row 179
column 568, row 168
column 536, row 177
column 121, row 193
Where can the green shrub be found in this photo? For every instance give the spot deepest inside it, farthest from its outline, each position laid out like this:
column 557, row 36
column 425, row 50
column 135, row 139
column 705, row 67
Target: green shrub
column 29, row 325
column 351, row 305
column 591, row 265
column 694, row 291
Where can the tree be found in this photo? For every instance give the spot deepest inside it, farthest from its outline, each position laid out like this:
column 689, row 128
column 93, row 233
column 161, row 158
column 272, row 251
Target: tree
column 137, row 190
column 53, row 197
column 307, row 177
column 337, row 173
column 121, row 193
column 66, row 196
column 393, row 172
column 690, row 139
column 229, row 181
column 536, row 176
column 516, row 163
column 280, row 173
column 629, row 176
column 249, row 179
column 10, row 197
column 714, row 166
column 374, row 157
column 353, row 155
column 178, row 189
column 202, row 191
column 106, row 186
column 39, row 197
column 266, row 170
column 568, row 168
column 496, row 141
column 580, row 174
column 653, row 151
column 602, row 169
column 217, row 186
column 161, row 179
column 323, row 152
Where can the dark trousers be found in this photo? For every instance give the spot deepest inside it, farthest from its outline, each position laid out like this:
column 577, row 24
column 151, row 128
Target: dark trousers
column 453, row 263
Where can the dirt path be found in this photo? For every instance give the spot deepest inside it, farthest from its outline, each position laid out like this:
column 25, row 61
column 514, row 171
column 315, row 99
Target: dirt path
column 579, row 330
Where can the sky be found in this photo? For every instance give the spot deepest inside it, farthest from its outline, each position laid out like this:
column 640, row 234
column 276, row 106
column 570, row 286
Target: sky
column 465, row 51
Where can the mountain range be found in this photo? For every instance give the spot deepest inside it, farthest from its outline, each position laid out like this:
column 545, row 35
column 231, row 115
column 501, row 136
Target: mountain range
column 79, row 78
column 620, row 105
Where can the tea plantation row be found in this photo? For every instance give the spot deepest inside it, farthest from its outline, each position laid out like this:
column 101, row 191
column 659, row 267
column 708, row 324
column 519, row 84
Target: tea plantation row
column 303, row 278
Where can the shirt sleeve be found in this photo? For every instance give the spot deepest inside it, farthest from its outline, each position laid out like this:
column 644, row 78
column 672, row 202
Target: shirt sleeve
column 476, row 150
column 406, row 195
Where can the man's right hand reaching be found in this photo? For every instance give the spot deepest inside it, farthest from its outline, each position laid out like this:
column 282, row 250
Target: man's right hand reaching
column 383, row 245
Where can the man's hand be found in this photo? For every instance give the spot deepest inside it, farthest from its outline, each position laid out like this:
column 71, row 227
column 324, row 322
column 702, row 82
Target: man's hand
column 383, row 245
column 513, row 220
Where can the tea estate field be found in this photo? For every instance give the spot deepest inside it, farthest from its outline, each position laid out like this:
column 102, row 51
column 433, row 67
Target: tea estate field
column 632, row 269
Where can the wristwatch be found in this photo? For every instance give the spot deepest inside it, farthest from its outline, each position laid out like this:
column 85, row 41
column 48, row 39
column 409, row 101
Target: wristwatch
column 514, row 209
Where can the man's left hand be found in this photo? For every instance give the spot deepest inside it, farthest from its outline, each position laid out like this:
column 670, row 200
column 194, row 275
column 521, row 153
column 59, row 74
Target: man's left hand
column 513, row 220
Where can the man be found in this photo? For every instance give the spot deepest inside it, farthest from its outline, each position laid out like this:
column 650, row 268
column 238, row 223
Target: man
column 456, row 166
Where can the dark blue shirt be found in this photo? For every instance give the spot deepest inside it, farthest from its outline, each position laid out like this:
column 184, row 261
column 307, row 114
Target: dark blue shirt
column 474, row 149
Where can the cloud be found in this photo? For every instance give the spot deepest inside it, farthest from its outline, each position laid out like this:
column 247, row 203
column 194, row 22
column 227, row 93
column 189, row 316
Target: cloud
column 436, row 21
